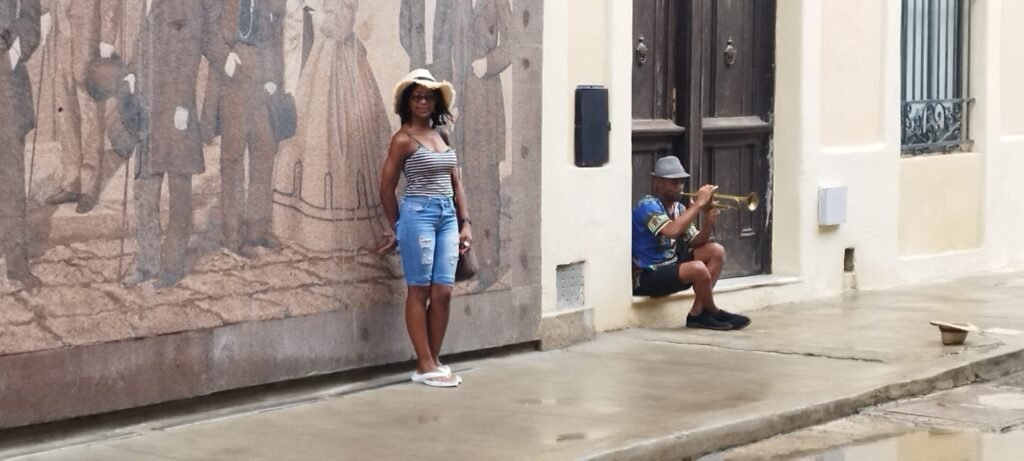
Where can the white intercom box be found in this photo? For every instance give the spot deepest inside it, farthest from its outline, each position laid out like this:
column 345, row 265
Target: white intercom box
column 831, row 205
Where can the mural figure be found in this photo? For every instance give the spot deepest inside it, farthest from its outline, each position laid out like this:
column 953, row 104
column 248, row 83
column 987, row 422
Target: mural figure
column 412, row 36
column 84, row 31
column 411, row 30
column 73, row 72
column 445, row 55
column 19, row 21
column 253, row 72
column 481, row 122
column 173, row 37
column 298, row 38
column 326, row 179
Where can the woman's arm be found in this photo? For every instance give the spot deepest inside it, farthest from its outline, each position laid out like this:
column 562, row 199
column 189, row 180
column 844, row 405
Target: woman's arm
column 462, row 212
column 398, row 152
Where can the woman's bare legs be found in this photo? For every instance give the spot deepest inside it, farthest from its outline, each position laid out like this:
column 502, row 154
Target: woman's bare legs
column 437, row 319
column 416, row 324
column 427, row 323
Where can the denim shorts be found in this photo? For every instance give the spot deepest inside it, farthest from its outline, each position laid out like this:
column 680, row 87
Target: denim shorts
column 428, row 240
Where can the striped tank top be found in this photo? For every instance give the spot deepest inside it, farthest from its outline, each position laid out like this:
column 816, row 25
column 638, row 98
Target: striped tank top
column 429, row 173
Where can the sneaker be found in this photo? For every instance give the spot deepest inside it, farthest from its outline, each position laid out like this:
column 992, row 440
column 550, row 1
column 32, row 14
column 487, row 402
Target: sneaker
column 737, row 321
column 706, row 320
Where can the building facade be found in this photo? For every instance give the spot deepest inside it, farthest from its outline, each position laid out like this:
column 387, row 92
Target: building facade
column 884, row 138
column 851, row 84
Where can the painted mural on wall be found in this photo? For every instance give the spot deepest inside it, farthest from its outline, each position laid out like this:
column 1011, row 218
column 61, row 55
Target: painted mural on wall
column 182, row 164
column 327, row 179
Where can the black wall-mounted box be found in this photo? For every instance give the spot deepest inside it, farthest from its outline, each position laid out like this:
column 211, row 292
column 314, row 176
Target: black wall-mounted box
column 592, row 127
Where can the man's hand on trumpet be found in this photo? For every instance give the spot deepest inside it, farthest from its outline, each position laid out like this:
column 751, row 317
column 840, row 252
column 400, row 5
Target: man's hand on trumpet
column 710, row 216
column 704, row 196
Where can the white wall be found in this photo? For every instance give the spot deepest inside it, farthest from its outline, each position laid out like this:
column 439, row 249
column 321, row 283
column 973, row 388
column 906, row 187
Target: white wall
column 585, row 211
column 909, row 219
column 837, row 122
column 997, row 80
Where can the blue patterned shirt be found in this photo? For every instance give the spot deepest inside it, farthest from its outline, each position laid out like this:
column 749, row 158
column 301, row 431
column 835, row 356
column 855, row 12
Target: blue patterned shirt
column 650, row 249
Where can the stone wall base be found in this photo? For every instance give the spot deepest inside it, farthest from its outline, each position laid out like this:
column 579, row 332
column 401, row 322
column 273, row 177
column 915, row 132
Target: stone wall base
column 563, row 329
column 38, row 387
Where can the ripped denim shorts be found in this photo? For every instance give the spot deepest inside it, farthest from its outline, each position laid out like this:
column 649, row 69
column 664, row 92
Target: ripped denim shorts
column 428, row 240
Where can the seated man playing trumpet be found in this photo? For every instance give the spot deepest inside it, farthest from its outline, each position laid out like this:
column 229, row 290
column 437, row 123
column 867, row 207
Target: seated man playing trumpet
column 671, row 255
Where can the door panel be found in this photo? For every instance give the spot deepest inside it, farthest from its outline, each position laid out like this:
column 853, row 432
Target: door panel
column 652, row 82
column 728, row 86
column 656, row 132
column 735, row 120
column 745, row 86
column 736, row 163
column 643, row 164
column 704, row 93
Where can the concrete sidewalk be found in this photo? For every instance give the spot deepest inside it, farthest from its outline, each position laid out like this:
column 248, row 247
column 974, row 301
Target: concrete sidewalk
column 636, row 394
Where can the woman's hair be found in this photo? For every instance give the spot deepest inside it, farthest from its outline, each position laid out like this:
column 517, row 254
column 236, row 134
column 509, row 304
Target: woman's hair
column 440, row 117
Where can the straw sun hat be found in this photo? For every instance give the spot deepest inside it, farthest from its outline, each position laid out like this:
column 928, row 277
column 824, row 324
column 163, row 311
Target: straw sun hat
column 423, row 78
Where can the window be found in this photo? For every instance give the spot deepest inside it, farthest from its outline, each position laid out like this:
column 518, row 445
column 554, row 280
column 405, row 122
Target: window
column 934, row 87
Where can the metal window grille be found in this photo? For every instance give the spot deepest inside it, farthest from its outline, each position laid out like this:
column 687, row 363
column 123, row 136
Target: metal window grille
column 935, row 41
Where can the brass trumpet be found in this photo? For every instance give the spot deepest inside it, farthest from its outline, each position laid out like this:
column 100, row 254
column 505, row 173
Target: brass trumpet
column 722, row 201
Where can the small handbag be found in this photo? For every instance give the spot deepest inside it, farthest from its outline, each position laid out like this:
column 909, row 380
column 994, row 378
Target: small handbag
column 468, row 264
column 467, row 267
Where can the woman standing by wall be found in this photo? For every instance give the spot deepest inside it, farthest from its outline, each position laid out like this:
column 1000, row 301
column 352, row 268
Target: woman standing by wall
column 429, row 219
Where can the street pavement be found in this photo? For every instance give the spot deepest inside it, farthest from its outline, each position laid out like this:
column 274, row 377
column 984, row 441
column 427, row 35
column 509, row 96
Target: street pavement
column 633, row 394
column 979, row 422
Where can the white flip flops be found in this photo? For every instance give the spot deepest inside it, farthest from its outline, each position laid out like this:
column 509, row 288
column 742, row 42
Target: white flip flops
column 435, row 378
column 447, row 369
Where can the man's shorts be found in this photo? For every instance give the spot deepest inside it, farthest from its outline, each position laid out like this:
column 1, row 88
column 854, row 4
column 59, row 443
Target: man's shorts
column 661, row 281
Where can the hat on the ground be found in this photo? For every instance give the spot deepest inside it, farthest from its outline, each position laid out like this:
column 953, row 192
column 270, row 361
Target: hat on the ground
column 422, row 77
column 669, row 167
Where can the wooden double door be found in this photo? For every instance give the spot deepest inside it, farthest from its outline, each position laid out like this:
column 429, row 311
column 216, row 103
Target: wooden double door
column 702, row 90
